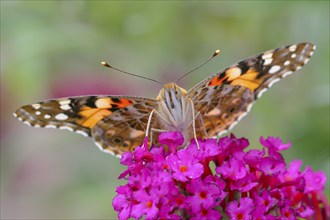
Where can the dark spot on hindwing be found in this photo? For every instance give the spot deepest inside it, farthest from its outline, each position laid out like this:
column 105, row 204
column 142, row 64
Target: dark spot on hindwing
column 117, row 140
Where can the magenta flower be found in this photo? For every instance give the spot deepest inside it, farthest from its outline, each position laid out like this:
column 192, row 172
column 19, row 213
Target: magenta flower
column 220, row 179
column 233, row 169
column 204, row 194
column 274, row 143
column 184, row 166
column 171, row 139
column 241, row 210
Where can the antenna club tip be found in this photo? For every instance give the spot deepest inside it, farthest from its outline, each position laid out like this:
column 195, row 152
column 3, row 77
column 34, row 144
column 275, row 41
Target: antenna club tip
column 103, row 63
column 216, row 53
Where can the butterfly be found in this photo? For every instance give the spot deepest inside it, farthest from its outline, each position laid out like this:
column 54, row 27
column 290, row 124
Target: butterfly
column 215, row 105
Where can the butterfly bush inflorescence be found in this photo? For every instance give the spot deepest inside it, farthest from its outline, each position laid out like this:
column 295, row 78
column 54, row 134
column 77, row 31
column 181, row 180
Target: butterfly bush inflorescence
column 253, row 184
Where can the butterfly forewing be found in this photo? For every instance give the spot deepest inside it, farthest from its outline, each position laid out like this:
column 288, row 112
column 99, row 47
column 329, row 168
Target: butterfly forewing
column 85, row 115
column 225, row 97
column 58, row 113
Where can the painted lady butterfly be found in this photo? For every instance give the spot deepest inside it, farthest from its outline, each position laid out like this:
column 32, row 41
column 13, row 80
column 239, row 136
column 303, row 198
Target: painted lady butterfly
column 215, row 105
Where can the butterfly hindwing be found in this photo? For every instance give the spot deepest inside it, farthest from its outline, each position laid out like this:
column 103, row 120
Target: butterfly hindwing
column 124, row 129
column 241, row 84
column 219, row 111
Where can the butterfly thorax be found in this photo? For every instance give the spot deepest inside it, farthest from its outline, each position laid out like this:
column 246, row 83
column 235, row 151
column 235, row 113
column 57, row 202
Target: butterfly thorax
column 174, row 109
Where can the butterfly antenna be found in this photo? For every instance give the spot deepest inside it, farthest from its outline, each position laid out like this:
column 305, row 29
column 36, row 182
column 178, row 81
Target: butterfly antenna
column 208, row 60
column 131, row 74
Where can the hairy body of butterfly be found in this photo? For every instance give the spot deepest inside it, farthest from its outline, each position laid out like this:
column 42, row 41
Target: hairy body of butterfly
column 215, row 105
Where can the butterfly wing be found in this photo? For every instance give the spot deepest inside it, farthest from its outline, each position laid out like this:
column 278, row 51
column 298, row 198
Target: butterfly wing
column 89, row 115
column 124, row 129
column 227, row 96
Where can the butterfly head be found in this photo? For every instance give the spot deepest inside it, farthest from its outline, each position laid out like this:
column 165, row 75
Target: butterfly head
column 171, row 91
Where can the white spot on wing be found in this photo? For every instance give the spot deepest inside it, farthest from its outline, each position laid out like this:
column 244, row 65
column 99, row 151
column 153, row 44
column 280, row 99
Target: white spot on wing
column 261, row 92
column 61, row 116
column 36, row 106
column 106, row 151
column 232, row 125
column 268, row 58
column 47, row 116
column 222, row 132
column 241, row 116
column 38, row 113
column 50, row 126
column 248, row 109
column 15, row 115
column 268, row 61
column 66, row 128
column 99, row 146
column 293, row 48
column 267, row 55
column 65, row 102
column 287, row 63
column 65, row 107
column 272, row 82
column 293, row 55
column 27, row 123
column 287, row 73
column 306, row 61
column 83, row 133
column 274, row 69
column 311, row 53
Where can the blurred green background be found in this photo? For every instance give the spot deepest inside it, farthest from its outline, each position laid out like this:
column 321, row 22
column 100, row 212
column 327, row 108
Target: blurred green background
column 51, row 49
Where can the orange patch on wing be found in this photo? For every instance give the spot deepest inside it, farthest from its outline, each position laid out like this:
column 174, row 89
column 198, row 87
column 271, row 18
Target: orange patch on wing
column 248, row 80
column 216, row 81
column 230, row 75
column 109, row 103
column 124, row 103
column 92, row 115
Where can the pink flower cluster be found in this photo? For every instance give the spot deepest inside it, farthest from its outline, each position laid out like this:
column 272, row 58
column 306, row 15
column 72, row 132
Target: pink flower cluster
column 218, row 179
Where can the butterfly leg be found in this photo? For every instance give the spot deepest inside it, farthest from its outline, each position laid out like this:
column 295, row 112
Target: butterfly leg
column 202, row 124
column 148, row 127
column 149, row 122
column 194, row 123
